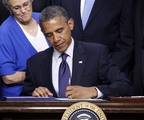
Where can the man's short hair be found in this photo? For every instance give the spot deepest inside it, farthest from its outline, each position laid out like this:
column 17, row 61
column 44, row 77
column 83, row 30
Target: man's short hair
column 51, row 12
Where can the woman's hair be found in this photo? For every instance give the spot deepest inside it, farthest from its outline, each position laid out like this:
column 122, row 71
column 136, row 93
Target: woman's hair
column 6, row 4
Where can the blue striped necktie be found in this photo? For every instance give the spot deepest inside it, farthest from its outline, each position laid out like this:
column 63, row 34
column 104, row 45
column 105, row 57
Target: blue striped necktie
column 64, row 75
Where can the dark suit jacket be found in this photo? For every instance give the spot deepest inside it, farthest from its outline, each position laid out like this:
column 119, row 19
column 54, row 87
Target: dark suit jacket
column 110, row 23
column 39, row 5
column 139, row 48
column 3, row 12
column 95, row 70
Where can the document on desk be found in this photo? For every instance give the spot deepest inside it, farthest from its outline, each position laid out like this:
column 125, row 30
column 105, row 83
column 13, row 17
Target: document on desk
column 67, row 99
column 137, row 96
column 47, row 99
column 29, row 98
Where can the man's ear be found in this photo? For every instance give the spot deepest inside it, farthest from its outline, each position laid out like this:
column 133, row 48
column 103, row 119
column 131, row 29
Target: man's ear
column 71, row 23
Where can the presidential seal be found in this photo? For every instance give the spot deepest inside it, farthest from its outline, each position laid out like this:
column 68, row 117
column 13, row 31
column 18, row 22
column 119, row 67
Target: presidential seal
column 84, row 111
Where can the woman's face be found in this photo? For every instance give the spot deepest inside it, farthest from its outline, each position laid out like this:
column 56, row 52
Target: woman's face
column 22, row 10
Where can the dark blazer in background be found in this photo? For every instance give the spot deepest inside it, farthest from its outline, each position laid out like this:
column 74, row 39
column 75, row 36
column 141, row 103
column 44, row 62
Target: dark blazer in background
column 39, row 5
column 139, row 48
column 110, row 23
column 95, row 69
column 3, row 12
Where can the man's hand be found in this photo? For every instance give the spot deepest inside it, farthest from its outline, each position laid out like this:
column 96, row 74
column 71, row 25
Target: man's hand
column 41, row 92
column 79, row 92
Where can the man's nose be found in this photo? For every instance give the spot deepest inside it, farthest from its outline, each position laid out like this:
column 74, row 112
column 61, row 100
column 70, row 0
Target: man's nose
column 55, row 37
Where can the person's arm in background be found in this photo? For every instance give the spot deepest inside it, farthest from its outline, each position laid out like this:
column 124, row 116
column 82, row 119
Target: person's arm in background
column 123, row 52
column 16, row 77
column 8, row 66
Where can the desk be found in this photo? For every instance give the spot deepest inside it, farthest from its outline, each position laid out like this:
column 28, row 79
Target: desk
column 125, row 108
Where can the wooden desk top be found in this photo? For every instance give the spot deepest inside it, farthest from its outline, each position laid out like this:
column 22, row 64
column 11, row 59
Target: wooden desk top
column 114, row 105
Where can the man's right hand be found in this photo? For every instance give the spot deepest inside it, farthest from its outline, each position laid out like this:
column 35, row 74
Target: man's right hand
column 41, row 92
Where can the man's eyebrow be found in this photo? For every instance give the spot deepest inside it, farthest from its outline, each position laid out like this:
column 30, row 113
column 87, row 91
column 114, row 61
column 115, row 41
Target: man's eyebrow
column 59, row 29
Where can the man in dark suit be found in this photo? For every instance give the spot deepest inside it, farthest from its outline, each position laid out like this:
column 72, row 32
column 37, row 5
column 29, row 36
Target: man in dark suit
column 109, row 23
column 139, row 48
column 92, row 73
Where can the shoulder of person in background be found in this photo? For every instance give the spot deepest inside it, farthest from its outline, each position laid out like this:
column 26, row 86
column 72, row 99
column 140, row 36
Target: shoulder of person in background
column 4, row 13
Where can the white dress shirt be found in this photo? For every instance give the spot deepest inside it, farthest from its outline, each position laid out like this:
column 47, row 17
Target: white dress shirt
column 82, row 7
column 56, row 60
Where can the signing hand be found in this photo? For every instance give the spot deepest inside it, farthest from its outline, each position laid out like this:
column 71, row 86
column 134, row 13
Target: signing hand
column 79, row 92
column 42, row 92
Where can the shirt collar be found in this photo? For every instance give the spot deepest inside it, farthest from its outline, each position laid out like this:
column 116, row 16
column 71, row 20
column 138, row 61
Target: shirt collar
column 69, row 50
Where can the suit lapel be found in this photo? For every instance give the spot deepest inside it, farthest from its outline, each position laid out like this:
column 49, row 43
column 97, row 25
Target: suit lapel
column 76, row 6
column 79, row 60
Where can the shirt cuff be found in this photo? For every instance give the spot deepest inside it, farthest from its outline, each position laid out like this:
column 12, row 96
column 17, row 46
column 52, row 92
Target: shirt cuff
column 100, row 94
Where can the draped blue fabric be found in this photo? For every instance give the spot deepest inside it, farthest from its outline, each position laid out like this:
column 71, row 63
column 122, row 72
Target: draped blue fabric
column 15, row 49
